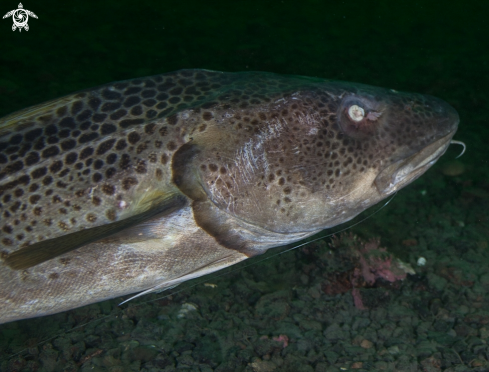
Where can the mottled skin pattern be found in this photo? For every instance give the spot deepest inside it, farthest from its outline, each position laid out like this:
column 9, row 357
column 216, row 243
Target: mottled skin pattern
column 260, row 159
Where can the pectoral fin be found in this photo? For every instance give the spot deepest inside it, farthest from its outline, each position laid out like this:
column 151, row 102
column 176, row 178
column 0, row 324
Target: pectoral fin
column 37, row 253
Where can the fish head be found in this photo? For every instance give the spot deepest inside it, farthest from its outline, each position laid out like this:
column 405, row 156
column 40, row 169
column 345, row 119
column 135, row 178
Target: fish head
column 319, row 155
column 399, row 135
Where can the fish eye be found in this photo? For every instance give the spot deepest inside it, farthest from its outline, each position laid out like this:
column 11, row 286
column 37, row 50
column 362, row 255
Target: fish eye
column 356, row 113
column 360, row 116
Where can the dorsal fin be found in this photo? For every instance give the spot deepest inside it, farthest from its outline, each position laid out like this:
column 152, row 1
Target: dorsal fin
column 37, row 253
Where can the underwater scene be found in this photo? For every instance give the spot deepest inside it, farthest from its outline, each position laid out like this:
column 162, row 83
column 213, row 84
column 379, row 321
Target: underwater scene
column 244, row 186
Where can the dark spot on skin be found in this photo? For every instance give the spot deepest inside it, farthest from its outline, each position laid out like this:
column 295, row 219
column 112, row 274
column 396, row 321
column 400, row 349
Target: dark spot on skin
column 52, row 139
column 98, row 164
column 67, row 122
column 161, row 105
column 65, row 261
column 159, row 174
column 47, row 180
column 86, row 152
column 141, row 167
column 68, row 144
column 163, row 131
column 99, row 118
column 39, row 145
column 176, row 91
column 281, row 181
column 121, row 145
column 18, row 192
column 171, row 146
column 172, row 120
column 7, row 229
column 141, row 148
column 108, row 189
column 33, row 134
column 33, row 199
column 63, row 226
column 91, row 217
column 61, row 111
column 136, row 111
column 150, row 114
column 76, row 107
column 94, row 103
column 17, row 204
column 110, row 106
column 50, row 151
column 133, row 137
column 64, row 172
column 213, row 167
column 14, row 167
column 15, row 139
column 65, row 133
column 207, row 116
column 7, row 241
column 128, row 122
column 53, row 276
column 110, row 94
column 132, row 90
column 150, row 128
column 111, row 158
column 56, row 166
column 97, row 177
column 117, row 115
column 110, row 172
column 39, row 172
column 88, row 137
column 149, row 102
column 33, row 187
column 164, row 158
column 71, row 158
column 111, row 215
column 125, row 161
column 50, row 130
column 131, row 101
column 85, row 115
column 96, row 201
column 105, row 146
column 128, row 182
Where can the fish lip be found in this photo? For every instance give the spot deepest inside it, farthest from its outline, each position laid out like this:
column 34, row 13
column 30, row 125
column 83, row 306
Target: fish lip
column 397, row 175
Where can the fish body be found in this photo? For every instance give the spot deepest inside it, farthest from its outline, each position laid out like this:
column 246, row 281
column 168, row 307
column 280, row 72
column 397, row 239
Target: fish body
column 143, row 184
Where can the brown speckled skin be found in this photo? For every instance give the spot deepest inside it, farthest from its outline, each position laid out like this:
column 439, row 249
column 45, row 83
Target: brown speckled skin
column 262, row 160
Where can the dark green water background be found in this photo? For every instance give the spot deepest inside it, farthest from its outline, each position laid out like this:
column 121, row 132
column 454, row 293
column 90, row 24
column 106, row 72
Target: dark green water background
column 432, row 47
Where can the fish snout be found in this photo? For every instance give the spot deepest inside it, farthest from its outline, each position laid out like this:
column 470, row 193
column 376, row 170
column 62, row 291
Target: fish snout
column 446, row 118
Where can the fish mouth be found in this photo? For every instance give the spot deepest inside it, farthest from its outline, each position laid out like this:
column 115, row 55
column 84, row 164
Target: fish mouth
column 405, row 171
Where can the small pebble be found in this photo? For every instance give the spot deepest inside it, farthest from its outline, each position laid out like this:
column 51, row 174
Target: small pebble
column 366, row 344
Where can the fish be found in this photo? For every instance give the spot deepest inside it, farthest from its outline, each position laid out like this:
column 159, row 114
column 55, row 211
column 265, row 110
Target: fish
column 140, row 185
